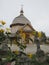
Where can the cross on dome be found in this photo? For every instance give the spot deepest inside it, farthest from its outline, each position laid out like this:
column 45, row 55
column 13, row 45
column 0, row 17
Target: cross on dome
column 21, row 12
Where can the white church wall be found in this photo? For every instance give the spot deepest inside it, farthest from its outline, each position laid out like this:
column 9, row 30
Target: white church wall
column 14, row 29
column 27, row 28
column 31, row 48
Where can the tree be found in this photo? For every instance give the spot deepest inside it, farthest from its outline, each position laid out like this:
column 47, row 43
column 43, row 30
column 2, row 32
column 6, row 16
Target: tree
column 43, row 37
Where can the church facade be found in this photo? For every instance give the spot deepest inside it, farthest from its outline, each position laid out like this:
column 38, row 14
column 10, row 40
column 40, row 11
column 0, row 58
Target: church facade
column 22, row 25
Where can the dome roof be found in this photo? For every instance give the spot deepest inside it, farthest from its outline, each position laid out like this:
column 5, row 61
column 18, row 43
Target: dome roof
column 21, row 19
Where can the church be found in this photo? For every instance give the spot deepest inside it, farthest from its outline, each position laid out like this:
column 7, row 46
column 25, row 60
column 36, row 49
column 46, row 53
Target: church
column 22, row 25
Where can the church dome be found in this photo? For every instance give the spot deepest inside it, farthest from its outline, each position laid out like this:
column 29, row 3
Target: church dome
column 20, row 20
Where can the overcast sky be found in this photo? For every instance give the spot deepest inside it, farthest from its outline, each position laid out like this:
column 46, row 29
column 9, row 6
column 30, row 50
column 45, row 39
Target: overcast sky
column 37, row 11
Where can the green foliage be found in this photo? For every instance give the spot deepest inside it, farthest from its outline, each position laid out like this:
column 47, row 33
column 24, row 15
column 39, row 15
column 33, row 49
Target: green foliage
column 2, row 36
column 33, row 58
column 47, row 59
column 21, row 46
column 40, row 53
